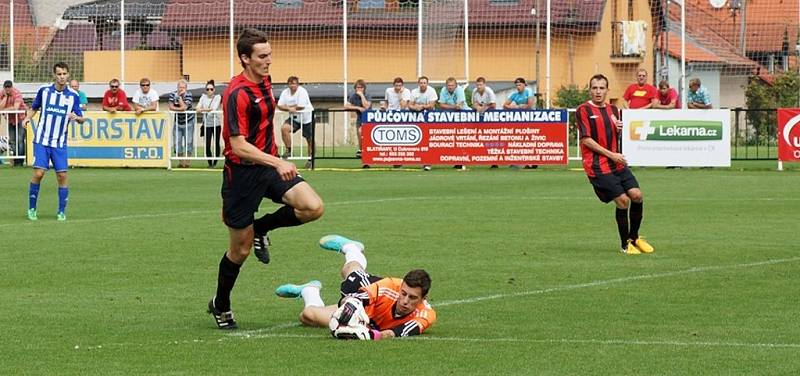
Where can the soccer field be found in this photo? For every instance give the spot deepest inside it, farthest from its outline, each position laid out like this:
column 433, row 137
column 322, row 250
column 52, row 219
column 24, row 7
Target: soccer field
column 527, row 278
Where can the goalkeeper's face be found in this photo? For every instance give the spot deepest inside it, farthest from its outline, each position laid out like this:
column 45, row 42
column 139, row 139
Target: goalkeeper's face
column 408, row 300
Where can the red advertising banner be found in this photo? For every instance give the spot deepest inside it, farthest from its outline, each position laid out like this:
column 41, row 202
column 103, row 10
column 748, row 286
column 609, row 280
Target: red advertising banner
column 789, row 134
column 534, row 137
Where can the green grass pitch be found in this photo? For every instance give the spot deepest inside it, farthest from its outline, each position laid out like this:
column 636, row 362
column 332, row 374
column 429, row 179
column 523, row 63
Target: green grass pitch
column 526, row 274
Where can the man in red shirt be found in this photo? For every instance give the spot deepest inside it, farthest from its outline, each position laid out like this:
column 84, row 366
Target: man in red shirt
column 640, row 94
column 606, row 167
column 11, row 100
column 667, row 98
column 394, row 307
column 115, row 98
column 254, row 171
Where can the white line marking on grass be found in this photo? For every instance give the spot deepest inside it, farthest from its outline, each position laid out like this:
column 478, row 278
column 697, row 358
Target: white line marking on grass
column 700, row 269
column 621, row 342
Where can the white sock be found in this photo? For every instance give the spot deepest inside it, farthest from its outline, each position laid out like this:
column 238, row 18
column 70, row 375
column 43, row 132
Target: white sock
column 352, row 252
column 311, row 297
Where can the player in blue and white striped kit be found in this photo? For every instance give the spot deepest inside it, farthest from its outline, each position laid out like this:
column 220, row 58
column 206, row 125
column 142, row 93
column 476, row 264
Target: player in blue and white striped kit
column 59, row 105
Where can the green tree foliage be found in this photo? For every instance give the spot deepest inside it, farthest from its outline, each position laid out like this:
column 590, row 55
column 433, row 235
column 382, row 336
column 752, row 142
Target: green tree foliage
column 763, row 99
column 571, row 97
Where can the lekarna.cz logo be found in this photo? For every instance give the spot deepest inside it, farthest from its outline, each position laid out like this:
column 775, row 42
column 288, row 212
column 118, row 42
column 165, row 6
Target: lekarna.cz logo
column 675, row 130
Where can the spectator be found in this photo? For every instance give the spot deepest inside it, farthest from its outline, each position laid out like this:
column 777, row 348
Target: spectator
column 115, row 98
column 483, row 97
column 209, row 105
column 452, row 97
column 11, row 100
column 522, row 99
column 698, row 95
column 145, row 98
column 294, row 100
column 183, row 133
column 360, row 102
column 667, row 97
column 640, row 94
column 76, row 86
column 423, row 98
column 397, row 97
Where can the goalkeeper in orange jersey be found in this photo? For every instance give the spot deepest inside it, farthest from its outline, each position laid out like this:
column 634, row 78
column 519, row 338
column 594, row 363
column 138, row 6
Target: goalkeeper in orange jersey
column 371, row 307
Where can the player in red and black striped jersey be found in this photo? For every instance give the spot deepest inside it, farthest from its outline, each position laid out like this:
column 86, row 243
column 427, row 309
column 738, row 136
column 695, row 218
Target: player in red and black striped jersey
column 254, row 171
column 606, row 167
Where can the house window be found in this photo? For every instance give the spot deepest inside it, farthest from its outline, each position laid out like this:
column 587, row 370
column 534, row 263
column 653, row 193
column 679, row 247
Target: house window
column 503, row 2
column 287, row 4
column 371, row 4
column 5, row 59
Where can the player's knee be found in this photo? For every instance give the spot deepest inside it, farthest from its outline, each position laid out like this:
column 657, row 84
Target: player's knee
column 306, row 317
column 623, row 201
column 311, row 210
column 635, row 195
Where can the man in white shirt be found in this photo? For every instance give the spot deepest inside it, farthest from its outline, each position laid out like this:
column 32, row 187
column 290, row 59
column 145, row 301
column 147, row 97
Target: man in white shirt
column 423, row 98
column 397, row 96
column 145, row 98
column 294, row 100
column 483, row 97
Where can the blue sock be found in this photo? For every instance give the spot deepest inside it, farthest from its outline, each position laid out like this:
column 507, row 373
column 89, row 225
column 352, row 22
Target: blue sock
column 63, row 196
column 33, row 195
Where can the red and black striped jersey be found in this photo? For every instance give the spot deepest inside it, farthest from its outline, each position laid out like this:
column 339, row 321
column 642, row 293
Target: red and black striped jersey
column 598, row 124
column 247, row 110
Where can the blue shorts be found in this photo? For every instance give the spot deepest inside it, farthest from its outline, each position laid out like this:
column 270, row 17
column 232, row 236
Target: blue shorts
column 42, row 155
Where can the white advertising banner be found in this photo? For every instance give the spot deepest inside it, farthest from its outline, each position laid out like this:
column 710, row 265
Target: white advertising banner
column 688, row 138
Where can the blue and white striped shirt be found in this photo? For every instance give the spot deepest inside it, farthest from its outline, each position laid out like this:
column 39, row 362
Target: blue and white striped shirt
column 55, row 106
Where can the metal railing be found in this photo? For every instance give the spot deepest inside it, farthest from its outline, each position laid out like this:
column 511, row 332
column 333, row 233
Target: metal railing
column 13, row 139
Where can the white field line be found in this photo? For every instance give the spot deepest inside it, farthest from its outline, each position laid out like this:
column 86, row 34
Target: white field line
column 400, row 199
column 623, row 342
column 265, row 332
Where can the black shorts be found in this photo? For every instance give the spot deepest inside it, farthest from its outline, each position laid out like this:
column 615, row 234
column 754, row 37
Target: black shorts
column 307, row 128
column 243, row 188
column 610, row 186
column 357, row 280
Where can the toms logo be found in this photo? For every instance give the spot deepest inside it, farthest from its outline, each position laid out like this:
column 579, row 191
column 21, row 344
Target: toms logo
column 396, row 135
column 675, row 130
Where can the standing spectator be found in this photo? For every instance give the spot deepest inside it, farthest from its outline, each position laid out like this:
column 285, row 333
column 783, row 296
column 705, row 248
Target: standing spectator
column 115, row 98
column 183, row 133
column 606, row 167
column 294, row 100
column 145, row 98
column 522, row 98
column 11, row 100
column 667, row 98
column 209, row 102
column 452, row 97
column 698, row 96
column 397, row 97
column 359, row 101
column 59, row 105
column 423, row 98
column 76, row 86
column 640, row 94
column 483, row 97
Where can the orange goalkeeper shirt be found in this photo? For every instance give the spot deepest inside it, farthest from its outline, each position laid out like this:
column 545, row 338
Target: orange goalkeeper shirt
column 383, row 296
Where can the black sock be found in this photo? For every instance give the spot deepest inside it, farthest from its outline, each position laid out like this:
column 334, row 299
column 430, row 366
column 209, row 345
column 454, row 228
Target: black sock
column 283, row 217
column 228, row 271
column 622, row 226
column 636, row 219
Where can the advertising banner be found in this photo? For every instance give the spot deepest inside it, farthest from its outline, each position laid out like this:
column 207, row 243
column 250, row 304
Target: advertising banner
column 789, row 134
column 688, row 138
column 528, row 137
column 121, row 139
